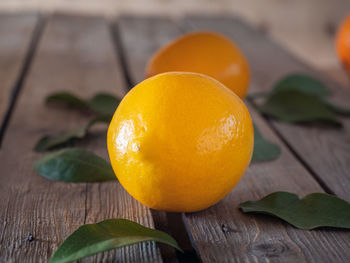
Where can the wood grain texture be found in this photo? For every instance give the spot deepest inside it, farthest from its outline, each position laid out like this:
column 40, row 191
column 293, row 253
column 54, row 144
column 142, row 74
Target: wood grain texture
column 222, row 233
column 16, row 33
column 75, row 54
column 325, row 150
column 340, row 75
column 138, row 48
column 296, row 24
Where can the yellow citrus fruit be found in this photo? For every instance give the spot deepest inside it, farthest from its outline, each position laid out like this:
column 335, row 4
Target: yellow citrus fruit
column 180, row 141
column 207, row 53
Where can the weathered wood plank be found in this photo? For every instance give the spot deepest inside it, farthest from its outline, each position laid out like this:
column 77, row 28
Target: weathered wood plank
column 137, row 49
column 325, row 150
column 340, row 75
column 75, row 54
column 16, row 32
column 222, row 233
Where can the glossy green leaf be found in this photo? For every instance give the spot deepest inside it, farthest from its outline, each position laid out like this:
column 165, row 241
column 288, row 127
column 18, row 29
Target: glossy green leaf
column 52, row 141
column 295, row 106
column 108, row 234
column 74, row 165
column 302, row 83
column 264, row 150
column 313, row 211
column 101, row 103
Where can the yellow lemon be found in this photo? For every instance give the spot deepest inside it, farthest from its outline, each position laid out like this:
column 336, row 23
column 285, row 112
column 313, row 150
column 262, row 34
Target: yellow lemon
column 180, row 141
column 204, row 52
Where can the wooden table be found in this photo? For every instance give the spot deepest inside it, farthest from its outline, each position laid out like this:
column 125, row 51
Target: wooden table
column 86, row 55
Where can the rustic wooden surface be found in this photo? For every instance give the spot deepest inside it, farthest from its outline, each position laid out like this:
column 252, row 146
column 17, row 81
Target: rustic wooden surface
column 250, row 239
column 307, row 28
column 14, row 48
column 77, row 55
column 89, row 55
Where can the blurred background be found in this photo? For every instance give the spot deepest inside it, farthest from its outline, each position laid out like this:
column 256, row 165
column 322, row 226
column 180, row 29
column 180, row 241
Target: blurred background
column 306, row 27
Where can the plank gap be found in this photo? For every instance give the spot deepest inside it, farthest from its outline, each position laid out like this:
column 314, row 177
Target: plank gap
column 86, row 202
column 34, row 42
column 119, row 49
column 160, row 222
column 180, row 232
column 173, row 224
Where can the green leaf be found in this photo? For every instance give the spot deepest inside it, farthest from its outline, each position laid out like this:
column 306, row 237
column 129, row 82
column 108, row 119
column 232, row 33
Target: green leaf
column 108, row 234
column 101, row 103
column 264, row 150
column 302, row 83
column 51, row 141
column 74, row 165
column 300, row 98
column 67, row 99
column 291, row 105
column 313, row 211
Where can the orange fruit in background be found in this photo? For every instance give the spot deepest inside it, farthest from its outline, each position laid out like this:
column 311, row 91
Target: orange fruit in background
column 207, row 53
column 343, row 43
column 180, row 141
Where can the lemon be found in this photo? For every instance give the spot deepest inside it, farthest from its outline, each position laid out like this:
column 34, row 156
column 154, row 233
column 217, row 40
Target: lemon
column 204, row 52
column 180, row 141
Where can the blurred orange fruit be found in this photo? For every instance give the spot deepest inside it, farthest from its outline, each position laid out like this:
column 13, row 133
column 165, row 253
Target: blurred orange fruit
column 180, row 141
column 207, row 53
column 343, row 43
